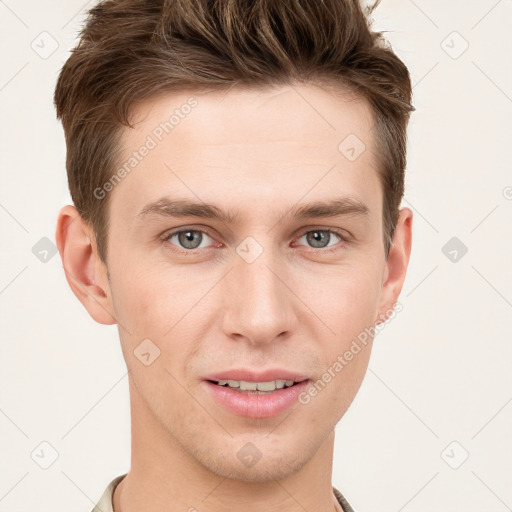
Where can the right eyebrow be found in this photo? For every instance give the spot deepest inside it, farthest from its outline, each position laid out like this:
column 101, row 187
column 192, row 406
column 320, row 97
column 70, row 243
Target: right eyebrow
column 166, row 207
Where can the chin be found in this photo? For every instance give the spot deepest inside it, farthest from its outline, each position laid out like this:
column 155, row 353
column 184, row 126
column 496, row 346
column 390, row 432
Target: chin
column 277, row 468
column 255, row 459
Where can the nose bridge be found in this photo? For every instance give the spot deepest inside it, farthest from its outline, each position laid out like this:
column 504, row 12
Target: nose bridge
column 260, row 307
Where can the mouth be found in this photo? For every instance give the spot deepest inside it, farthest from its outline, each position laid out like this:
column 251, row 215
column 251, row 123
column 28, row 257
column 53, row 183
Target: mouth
column 255, row 399
column 256, row 388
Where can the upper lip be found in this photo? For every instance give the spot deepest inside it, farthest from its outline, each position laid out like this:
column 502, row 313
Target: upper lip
column 249, row 375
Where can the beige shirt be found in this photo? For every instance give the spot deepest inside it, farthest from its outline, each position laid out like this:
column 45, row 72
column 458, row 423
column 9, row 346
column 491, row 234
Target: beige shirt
column 105, row 504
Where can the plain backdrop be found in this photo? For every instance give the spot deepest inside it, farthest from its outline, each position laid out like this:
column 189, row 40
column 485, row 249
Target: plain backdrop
column 430, row 426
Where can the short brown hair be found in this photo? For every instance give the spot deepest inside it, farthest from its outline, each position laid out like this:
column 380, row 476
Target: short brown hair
column 131, row 50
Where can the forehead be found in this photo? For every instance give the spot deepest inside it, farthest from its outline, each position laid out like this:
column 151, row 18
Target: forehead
column 302, row 113
column 256, row 145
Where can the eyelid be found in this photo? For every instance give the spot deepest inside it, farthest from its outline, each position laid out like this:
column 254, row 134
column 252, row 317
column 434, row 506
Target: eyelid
column 342, row 233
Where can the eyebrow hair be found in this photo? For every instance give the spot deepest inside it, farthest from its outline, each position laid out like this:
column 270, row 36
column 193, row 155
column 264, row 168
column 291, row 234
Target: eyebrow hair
column 167, row 207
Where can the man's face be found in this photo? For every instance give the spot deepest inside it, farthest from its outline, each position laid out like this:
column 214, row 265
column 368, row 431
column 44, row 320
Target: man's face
column 264, row 289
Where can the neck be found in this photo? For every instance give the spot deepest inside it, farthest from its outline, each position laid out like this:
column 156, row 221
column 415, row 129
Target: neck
column 165, row 477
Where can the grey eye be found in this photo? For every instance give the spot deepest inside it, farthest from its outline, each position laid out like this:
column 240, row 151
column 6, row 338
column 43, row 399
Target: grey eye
column 189, row 238
column 319, row 238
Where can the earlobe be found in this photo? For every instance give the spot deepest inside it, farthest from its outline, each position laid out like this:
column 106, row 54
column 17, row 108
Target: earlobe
column 396, row 265
column 85, row 272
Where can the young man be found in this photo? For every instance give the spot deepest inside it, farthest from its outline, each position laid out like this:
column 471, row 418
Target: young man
column 236, row 170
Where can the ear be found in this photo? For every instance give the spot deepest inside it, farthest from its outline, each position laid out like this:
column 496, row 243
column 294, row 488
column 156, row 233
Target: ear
column 85, row 272
column 396, row 265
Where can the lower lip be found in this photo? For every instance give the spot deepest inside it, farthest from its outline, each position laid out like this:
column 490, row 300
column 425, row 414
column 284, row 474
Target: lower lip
column 250, row 405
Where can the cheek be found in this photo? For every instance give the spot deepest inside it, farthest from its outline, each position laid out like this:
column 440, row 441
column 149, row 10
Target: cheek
column 164, row 306
column 345, row 299
column 147, row 300
column 149, row 305
column 347, row 302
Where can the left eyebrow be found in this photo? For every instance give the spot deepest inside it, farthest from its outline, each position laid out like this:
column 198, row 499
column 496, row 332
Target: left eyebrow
column 336, row 207
column 167, row 207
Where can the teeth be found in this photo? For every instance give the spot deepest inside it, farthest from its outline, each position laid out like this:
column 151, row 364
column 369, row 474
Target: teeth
column 248, row 386
column 256, row 386
column 266, row 386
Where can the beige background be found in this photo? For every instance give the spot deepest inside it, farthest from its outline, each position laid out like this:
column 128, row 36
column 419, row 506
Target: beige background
column 439, row 386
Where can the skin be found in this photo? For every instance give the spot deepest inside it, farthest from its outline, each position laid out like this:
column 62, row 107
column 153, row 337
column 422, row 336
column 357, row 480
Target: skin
column 296, row 306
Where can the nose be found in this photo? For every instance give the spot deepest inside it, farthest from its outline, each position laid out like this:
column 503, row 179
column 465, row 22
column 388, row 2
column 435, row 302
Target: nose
column 259, row 302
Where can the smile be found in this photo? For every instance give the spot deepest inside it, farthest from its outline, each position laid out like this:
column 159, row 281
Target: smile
column 267, row 387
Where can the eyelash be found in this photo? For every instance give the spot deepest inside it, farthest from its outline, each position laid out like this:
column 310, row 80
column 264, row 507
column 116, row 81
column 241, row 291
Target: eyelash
column 192, row 252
